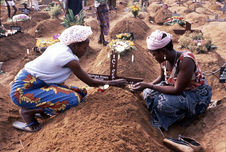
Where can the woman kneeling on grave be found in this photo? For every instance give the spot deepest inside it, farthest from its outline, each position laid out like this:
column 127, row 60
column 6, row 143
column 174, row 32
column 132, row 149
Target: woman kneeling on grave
column 180, row 91
column 39, row 89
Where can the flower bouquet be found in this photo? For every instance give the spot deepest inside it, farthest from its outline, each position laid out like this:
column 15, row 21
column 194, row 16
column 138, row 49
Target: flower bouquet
column 121, row 46
column 125, row 36
column 196, row 42
column 175, row 19
column 135, row 9
column 42, row 44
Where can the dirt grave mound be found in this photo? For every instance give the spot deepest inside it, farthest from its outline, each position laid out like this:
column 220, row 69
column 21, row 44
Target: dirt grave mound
column 47, row 28
column 130, row 24
column 114, row 120
column 144, row 65
column 21, row 42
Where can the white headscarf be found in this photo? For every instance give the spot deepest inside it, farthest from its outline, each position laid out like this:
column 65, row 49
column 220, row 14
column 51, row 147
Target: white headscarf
column 76, row 33
column 155, row 41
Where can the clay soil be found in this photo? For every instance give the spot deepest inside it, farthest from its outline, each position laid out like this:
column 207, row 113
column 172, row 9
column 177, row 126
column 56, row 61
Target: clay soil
column 114, row 120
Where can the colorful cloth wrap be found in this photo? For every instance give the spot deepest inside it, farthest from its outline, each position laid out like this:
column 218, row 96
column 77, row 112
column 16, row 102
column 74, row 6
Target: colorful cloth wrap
column 32, row 93
column 103, row 18
column 166, row 109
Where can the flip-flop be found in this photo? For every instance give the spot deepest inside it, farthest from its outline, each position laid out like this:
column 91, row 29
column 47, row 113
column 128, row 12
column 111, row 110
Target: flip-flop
column 26, row 127
column 177, row 145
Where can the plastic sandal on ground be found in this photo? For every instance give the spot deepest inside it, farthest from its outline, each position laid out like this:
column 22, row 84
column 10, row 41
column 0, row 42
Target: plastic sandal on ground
column 177, row 145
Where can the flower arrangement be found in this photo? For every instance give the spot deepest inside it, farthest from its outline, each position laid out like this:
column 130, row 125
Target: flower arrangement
column 175, row 19
column 71, row 20
column 40, row 43
column 121, row 46
column 135, row 9
column 125, row 36
column 196, row 42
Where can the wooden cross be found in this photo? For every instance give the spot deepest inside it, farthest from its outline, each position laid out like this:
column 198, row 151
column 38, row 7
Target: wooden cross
column 223, row 9
column 179, row 2
column 216, row 19
column 113, row 72
column 187, row 28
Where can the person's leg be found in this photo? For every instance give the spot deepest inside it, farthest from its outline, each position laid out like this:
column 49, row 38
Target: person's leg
column 15, row 10
column 9, row 13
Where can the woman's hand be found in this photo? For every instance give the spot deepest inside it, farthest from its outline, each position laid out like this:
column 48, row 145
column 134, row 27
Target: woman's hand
column 118, row 82
column 140, row 86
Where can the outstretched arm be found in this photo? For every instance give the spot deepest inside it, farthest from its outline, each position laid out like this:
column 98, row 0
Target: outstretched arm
column 186, row 69
column 83, row 76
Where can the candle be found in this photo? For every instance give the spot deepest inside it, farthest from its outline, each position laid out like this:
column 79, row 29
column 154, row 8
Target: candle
column 132, row 58
column 28, row 51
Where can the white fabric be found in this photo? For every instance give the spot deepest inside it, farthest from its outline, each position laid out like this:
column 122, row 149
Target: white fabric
column 11, row 3
column 155, row 41
column 96, row 4
column 49, row 67
column 76, row 33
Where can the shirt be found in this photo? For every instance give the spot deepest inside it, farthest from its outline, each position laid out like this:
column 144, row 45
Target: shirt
column 49, row 67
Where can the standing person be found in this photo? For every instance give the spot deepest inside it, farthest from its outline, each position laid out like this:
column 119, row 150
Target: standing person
column 180, row 91
column 39, row 87
column 103, row 18
column 11, row 3
column 112, row 4
column 74, row 5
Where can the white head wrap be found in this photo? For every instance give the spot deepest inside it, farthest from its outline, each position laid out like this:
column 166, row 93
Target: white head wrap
column 76, row 33
column 155, row 41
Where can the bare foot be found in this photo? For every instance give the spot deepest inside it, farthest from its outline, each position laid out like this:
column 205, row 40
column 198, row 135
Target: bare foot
column 28, row 116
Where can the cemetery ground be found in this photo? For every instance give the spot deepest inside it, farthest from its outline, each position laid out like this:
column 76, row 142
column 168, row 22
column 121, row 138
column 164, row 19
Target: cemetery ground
column 116, row 119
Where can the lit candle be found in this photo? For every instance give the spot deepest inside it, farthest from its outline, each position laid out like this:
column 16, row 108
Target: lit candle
column 108, row 55
column 118, row 56
column 28, row 51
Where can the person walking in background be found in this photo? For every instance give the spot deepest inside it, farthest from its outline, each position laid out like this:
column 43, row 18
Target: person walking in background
column 11, row 3
column 74, row 5
column 103, row 18
column 112, row 4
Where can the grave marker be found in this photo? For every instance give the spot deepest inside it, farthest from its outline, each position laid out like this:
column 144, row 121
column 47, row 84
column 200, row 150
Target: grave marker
column 216, row 19
column 179, row 2
column 222, row 78
column 223, row 9
column 187, row 28
column 113, row 72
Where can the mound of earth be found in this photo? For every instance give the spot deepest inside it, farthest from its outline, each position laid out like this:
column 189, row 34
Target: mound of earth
column 144, row 65
column 114, row 120
column 131, row 25
column 47, row 28
column 161, row 15
column 21, row 42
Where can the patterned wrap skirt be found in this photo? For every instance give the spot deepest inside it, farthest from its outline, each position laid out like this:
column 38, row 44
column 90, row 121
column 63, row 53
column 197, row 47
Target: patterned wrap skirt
column 32, row 93
column 166, row 109
column 104, row 18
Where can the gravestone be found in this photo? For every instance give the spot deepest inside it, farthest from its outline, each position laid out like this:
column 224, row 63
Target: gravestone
column 223, row 9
